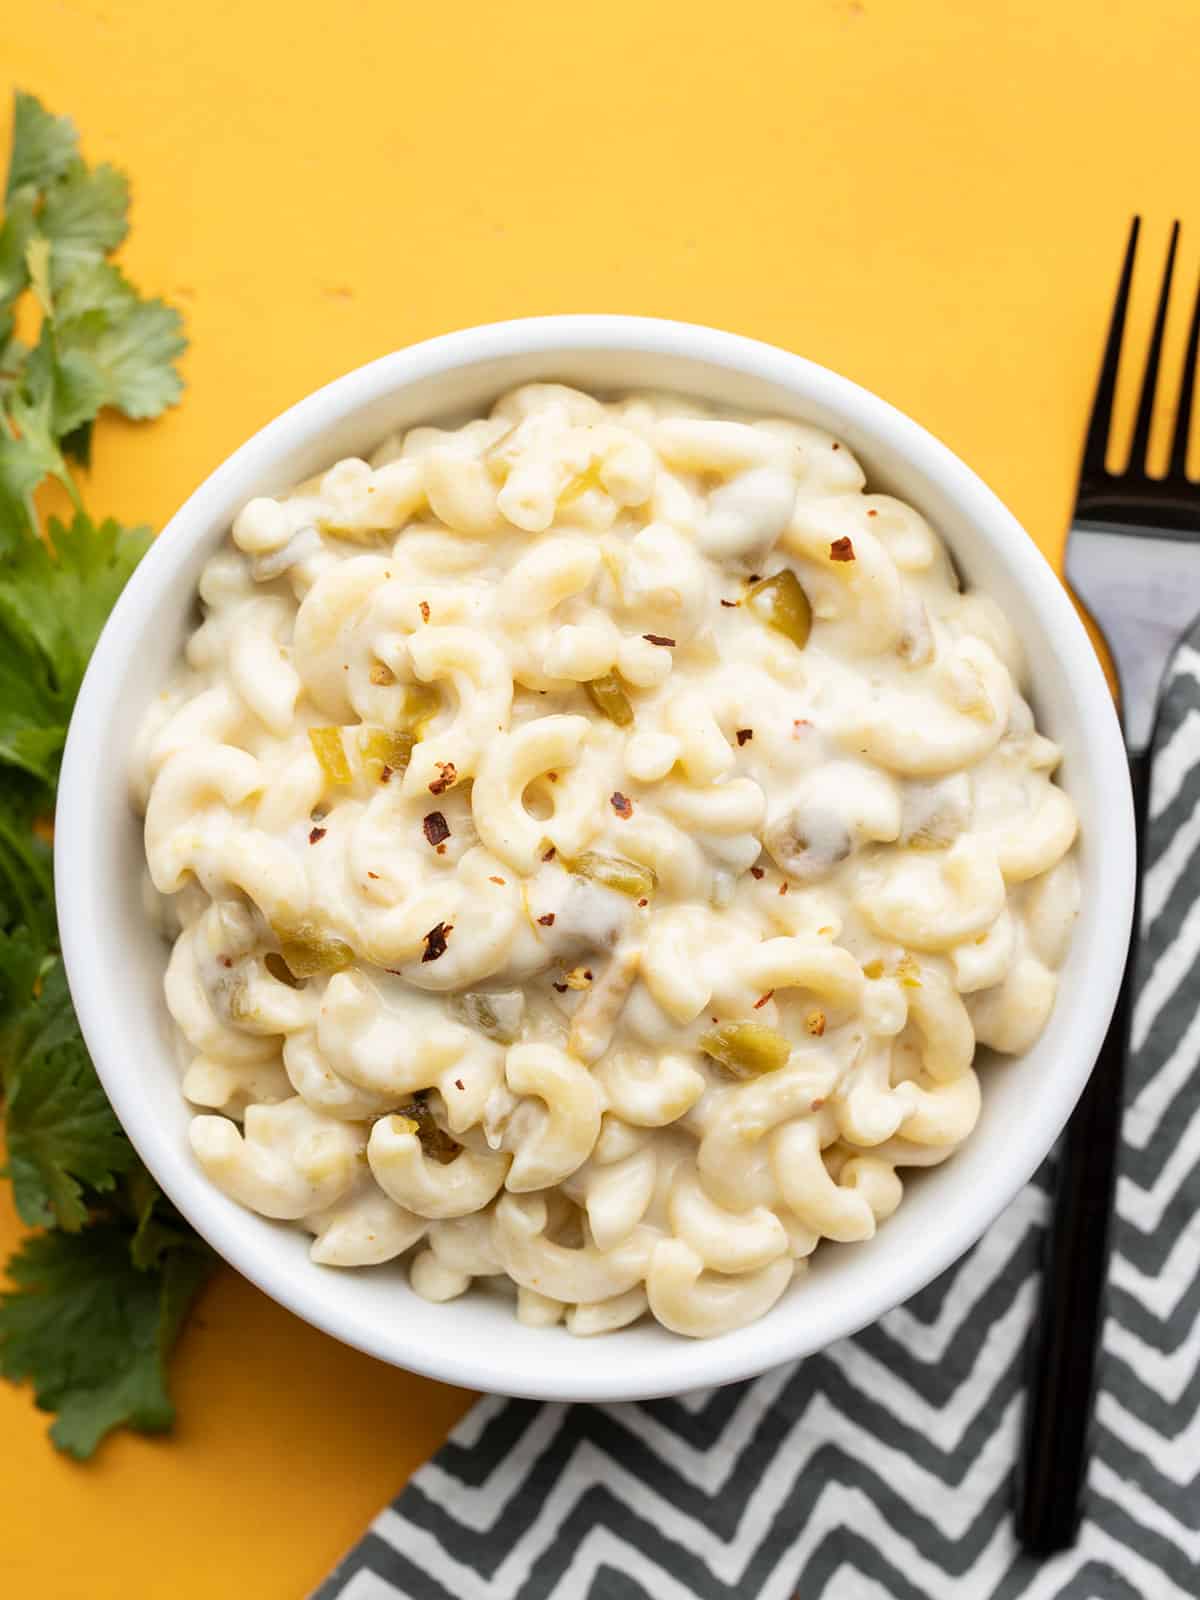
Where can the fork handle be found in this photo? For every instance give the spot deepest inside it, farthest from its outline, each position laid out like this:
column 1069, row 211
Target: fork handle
column 1066, row 1337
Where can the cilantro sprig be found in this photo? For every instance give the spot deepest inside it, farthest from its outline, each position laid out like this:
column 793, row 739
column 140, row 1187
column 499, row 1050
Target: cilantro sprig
column 98, row 1297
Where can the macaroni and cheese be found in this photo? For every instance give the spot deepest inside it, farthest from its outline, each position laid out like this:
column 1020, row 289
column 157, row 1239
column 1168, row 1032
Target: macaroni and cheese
column 595, row 840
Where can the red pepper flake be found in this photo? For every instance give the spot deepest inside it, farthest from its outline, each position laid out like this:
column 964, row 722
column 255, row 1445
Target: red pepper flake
column 872, row 513
column 621, row 804
column 424, row 609
column 549, row 855
column 553, row 776
column 560, row 987
column 441, row 849
column 659, row 638
column 446, row 779
column 744, row 735
column 435, row 827
column 500, row 881
column 841, row 550
column 816, row 1105
column 643, row 902
column 835, row 445
column 386, row 775
column 732, row 604
column 226, row 961
column 374, row 875
column 762, row 999
column 783, row 887
column 316, row 835
column 435, row 941
column 757, row 872
column 459, row 1084
column 548, row 920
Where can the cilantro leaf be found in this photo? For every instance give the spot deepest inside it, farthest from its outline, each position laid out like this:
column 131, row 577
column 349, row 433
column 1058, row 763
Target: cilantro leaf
column 64, row 598
column 97, row 1301
column 159, row 1227
column 26, row 885
column 80, row 390
column 57, row 391
column 21, row 960
column 37, row 265
column 95, row 286
column 13, row 355
column 26, row 742
column 32, row 406
column 84, row 217
column 101, row 344
column 33, row 715
column 133, row 349
column 43, row 146
column 62, row 1132
column 16, row 235
column 87, row 305
column 92, row 1333
column 21, row 470
column 52, row 607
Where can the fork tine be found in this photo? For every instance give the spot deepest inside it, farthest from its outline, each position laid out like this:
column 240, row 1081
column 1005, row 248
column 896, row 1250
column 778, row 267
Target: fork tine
column 1096, row 445
column 1177, row 467
column 1145, row 411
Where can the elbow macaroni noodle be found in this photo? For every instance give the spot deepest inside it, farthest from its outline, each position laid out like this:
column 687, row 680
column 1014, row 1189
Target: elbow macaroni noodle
column 564, row 898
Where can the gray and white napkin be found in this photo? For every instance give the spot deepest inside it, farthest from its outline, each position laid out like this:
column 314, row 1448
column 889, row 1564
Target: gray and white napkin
column 882, row 1468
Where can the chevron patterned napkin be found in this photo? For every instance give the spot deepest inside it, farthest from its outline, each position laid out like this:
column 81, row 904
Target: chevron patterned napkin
column 881, row 1469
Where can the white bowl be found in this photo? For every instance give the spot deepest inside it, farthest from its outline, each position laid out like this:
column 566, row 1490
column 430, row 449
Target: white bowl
column 115, row 962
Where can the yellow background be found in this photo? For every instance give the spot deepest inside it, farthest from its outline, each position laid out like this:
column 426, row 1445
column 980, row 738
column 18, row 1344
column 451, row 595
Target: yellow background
column 928, row 195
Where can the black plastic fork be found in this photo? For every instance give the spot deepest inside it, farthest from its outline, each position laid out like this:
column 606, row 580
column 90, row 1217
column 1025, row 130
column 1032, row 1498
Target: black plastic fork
column 1133, row 558
column 1132, row 497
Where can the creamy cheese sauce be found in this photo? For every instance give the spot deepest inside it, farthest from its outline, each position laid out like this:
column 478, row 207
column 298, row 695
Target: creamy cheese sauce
column 597, row 838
